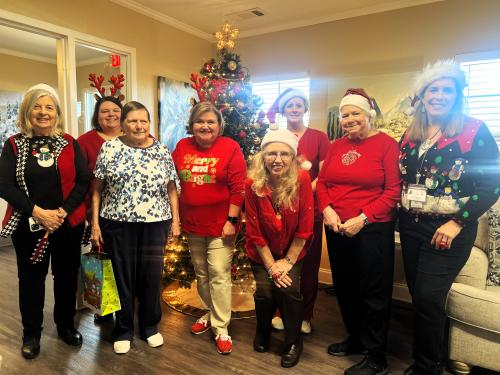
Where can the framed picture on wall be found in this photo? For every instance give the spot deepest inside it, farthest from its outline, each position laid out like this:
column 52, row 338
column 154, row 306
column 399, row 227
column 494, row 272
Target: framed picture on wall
column 174, row 104
column 9, row 108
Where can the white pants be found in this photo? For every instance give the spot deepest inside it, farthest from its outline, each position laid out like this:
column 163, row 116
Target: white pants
column 212, row 257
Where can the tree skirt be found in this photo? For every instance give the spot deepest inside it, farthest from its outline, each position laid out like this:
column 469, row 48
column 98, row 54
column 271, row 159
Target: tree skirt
column 187, row 301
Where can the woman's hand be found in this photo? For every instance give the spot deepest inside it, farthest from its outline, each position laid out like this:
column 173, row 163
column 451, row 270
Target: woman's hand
column 352, row 226
column 279, row 271
column 228, row 230
column 331, row 219
column 445, row 234
column 176, row 228
column 95, row 235
column 49, row 219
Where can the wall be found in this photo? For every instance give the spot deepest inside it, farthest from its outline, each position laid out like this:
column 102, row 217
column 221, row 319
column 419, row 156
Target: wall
column 373, row 51
column 18, row 74
column 161, row 49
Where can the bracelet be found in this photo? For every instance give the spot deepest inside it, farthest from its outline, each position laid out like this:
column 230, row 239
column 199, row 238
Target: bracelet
column 289, row 261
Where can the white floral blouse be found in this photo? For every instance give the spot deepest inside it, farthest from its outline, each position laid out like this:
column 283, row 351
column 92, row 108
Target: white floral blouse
column 136, row 181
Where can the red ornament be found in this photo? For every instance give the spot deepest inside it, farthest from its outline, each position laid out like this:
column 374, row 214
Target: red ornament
column 208, row 67
column 242, row 134
column 234, row 270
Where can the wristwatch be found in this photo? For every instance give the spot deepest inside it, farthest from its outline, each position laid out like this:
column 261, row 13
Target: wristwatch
column 365, row 219
column 232, row 219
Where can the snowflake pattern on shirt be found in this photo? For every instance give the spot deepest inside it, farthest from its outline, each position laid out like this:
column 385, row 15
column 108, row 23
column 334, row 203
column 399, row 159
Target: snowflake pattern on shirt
column 135, row 182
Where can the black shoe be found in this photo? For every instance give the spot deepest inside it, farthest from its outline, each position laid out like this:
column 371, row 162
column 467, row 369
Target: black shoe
column 101, row 319
column 368, row 366
column 70, row 336
column 415, row 370
column 346, row 347
column 31, row 347
column 260, row 343
column 291, row 355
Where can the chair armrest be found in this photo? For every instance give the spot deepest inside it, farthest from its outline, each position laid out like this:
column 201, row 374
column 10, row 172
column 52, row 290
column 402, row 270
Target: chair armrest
column 475, row 270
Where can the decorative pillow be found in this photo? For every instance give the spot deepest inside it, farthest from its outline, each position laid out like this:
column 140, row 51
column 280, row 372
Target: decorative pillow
column 493, row 250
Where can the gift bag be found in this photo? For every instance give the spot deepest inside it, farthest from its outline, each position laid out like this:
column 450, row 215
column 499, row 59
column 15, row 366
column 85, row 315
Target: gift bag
column 98, row 283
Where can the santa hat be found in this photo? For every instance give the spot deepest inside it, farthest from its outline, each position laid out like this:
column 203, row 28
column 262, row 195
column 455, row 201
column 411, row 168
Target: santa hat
column 358, row 98
column 279, row 104
column 281, row 136
column 47, row 88
column 440, row 69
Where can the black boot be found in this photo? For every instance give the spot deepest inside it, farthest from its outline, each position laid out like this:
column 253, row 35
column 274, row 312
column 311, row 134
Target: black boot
column 31, row 347
column 291, row 354
column 70, row 336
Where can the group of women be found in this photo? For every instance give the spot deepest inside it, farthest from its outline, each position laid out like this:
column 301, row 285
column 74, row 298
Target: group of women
column 444, row 174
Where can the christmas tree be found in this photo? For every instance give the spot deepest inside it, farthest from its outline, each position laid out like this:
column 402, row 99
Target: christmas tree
column 225, row 82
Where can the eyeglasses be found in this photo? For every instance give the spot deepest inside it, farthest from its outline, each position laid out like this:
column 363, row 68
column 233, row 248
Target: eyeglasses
column 273, row 155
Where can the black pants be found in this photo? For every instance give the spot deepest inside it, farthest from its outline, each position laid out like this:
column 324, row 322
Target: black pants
column 363, row 266
column 63, row 253
column 429, row 275
column 136, row 251
column 268, row 297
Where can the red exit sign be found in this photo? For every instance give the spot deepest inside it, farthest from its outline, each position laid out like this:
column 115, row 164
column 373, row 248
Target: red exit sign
column 115, row 60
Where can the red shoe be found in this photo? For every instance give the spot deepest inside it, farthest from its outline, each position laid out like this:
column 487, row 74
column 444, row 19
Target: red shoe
column 224, row 344
column 200, row 326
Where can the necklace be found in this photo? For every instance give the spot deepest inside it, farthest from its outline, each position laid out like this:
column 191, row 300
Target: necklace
column 427, row 144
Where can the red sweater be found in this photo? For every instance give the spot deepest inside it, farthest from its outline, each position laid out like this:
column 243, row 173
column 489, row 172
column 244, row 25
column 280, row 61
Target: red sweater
column 264, row 228
column 361, row 176
column 90, row 144
column 211, row 180
column 313, row 146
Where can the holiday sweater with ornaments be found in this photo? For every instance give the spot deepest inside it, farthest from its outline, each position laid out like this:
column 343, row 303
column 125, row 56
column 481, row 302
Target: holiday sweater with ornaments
column 461, row 173
column 211, row 180
column 266, row 227
column 55, row 173
column 361, row 176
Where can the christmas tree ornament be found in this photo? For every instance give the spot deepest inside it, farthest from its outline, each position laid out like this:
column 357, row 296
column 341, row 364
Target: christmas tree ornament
column 225, row 37
column 242, row 134
column 232, row 65
column 256, row 141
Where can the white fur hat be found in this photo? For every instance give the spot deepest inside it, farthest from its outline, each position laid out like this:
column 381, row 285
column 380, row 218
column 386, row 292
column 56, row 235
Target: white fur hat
column 440, row 69
column 49, row 89
column 281, row 136
column 279, row 104
column 358, row 98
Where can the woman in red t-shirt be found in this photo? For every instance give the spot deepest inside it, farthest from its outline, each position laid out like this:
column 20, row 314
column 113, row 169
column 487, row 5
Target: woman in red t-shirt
column 279, row 213
column 358, row 189
column 212, row 172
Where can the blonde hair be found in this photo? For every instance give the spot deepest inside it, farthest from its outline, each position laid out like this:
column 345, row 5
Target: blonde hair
column 200, row 109
column 287, row 192
column 23, row 119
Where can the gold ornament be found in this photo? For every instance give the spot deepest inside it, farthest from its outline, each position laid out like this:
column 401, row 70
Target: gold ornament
column 256, row 141
column 232, row 65
column 225, row 38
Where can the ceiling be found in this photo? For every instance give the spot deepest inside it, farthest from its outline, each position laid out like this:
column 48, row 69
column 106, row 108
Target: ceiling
column 203, row 17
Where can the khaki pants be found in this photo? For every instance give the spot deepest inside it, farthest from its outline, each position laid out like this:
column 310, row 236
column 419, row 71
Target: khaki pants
column 211, row 257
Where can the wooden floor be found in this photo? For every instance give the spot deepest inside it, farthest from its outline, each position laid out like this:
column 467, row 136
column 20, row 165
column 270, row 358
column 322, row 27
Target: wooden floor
column 182, row 353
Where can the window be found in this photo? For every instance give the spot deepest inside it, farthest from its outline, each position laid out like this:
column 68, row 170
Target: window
column 483, row 90
column 270, row 90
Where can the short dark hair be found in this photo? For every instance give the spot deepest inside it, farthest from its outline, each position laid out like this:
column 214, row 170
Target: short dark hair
column 133, row 106
column 95, row 116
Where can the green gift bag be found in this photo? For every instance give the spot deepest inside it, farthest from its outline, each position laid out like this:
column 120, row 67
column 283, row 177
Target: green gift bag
column 99, row 286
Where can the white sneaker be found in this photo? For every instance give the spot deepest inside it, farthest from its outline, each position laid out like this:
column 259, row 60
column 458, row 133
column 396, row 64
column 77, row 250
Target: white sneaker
column 121, row 347
column 277, row 323
column 306, row 327
column 155, row 341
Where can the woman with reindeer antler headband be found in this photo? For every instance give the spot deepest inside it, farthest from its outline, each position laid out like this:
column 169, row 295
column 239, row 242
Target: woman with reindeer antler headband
column 44, row 179
column 106, row 126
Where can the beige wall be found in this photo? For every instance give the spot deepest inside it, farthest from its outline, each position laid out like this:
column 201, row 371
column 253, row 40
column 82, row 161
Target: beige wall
column 18, row 74
column 380, row 52
column 161, row 50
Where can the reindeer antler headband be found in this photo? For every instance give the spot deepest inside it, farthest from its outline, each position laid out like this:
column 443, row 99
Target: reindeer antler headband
column 117, row 81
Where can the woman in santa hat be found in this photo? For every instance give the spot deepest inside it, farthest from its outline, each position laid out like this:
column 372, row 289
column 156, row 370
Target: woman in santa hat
column 279, row 215
column 358, row 189
column 312, row 148
column 449, row 163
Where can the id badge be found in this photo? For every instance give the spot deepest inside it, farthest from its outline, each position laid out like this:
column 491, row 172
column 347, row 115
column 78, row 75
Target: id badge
column 417, row 195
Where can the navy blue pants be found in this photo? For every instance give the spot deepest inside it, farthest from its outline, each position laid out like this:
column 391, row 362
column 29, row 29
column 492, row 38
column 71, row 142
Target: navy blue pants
column 429, row 275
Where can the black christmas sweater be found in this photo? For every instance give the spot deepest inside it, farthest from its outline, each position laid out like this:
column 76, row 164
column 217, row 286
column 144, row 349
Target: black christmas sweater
column 461, row 173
